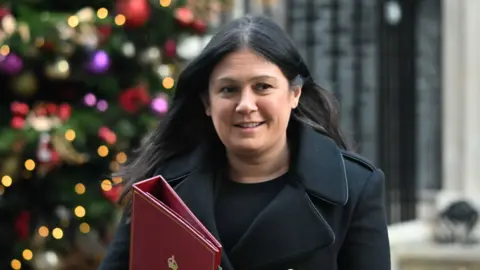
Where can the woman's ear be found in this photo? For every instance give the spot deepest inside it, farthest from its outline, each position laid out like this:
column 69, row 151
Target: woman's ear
column 206, row 104
column 297, row 92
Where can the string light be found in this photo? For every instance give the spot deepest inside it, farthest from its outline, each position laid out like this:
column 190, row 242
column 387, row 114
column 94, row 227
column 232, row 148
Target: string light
column 121, row 157
column 30, row 164
column 27, row 254
column 168, row 82
column 43, row 231
column 102, row 13
column 16, row 264
column 57, row 233
column 80, row 211
column 4, row 50
column 117, row 180
column 106, row 185
column 84, row 227
column 73, row 21
column 102, row 151
column 7, row 181
column 70, row 135
column 120, row 19
column 80, row 188
column 63, row 66
column 165, row 3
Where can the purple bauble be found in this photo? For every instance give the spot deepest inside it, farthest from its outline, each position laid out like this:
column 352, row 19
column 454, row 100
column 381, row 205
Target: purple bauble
column 160, row 104
column 11, row 64
column 99, row 63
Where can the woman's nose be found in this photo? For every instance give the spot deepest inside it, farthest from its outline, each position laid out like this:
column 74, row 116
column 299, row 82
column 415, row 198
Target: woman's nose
column 246, row 103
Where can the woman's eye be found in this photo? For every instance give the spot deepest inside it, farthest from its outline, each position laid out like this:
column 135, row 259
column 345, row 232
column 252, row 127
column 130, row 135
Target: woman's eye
column 227, row 89
column 262, row 86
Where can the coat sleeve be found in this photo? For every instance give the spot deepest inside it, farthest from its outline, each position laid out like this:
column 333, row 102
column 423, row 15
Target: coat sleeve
column 117, row 256
column 366, row 245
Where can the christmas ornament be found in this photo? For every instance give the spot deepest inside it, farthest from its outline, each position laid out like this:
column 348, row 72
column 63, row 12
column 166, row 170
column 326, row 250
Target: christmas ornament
column 87, row 36
column 64, row 112
column 58, row 70
column 131, row 100
column 8, row 24
column 46, row 260
column 107, row 135
column 184, row 16
column 160, row 104
column 102, row 105
column 189, row 47
column 113, row 194
column 67, row 152
column 4, row 11
column 90, row 99
column 86, row 15
column 44, row 150
column 19, row 108
column 47, row 116
column 22, row 225
column 11, row 64
column 137, row 12
column 17, row 122
column 151, row 55
column 170, row 48
column 65, row 32
column 103, row 33
column 200, row 26
column 128, row 49
column 163, row 71
column 25, row 84
column 99, row 62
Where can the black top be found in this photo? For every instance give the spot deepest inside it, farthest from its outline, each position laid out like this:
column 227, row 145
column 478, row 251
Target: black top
column 238, row 204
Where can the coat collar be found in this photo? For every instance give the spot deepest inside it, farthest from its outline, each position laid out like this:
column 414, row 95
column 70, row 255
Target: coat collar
column 317, row 161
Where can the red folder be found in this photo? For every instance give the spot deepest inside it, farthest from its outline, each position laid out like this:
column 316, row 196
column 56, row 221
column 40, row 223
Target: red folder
column 165, row 234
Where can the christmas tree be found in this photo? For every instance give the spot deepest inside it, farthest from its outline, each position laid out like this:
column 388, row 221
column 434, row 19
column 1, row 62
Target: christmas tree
column 81, row 82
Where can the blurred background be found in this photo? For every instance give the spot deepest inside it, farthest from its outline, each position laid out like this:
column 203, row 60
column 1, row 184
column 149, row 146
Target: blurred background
column 82, row 80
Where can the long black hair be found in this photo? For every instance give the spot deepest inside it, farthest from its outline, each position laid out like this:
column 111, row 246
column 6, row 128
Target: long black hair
column 186, row 125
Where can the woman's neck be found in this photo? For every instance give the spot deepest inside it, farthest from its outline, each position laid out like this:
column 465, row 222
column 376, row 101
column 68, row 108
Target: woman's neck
column 254, row 169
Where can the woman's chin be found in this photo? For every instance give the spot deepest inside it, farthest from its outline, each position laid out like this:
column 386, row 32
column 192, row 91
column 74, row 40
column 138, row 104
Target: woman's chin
column 245, row 148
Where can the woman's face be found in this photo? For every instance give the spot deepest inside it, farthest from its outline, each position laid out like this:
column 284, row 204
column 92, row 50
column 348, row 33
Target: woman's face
column 250, row 102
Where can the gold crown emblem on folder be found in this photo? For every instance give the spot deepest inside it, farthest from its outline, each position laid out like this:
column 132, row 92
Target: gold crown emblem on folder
column 172, row 264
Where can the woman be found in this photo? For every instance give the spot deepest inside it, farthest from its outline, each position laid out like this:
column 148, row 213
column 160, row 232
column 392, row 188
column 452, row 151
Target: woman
column 253, row 147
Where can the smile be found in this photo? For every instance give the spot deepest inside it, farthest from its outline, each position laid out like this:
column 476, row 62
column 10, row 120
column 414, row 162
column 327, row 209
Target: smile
column 249, row 124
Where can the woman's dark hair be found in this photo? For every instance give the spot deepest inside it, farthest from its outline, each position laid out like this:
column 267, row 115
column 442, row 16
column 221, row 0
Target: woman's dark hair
column 186, row 125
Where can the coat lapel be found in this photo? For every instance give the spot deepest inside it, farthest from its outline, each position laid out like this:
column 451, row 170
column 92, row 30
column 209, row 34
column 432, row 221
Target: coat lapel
column 291, row 225
column 288, row 228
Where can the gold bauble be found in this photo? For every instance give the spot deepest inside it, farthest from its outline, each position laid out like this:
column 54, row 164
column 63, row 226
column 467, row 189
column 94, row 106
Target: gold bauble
column 25, row 84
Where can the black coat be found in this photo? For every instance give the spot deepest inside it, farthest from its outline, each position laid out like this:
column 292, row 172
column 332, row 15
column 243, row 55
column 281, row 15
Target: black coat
column 332, row 217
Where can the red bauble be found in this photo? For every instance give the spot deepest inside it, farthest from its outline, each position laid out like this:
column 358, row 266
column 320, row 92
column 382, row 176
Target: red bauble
column 113, row 195
column 170, row 48
column 17, row 122
column 22, row 225
column 64, row 111
column 184, row 16
column 199, row 26
column 133, row 99
column 137, row 12
column 4, row 12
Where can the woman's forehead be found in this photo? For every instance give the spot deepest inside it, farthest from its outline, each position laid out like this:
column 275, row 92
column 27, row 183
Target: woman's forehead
column 243, row 65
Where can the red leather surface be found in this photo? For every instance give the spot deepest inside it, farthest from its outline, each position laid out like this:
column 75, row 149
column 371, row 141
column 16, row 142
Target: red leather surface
column 163, row 227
